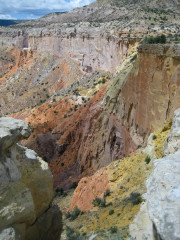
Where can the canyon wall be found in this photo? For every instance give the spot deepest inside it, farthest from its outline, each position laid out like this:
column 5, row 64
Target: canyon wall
column 142, row 95
column 26, row 188
column 93, row 49
column 13, row 37
column 146, row 94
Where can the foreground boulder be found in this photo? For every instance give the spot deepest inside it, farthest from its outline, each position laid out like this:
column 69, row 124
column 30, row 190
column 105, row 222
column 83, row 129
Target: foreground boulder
column 163, row 197
column 26, row 188
column 163, row 189
column 159, row 217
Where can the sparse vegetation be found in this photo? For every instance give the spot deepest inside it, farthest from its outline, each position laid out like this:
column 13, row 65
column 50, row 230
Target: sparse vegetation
column 154, row 137
column 147, row 160
column 111, row 212
column 113, row 229
column 74, row 214
column 74, row 185
column 107, row 193
column 72, row 235
column 135, row 198
column 154, row 40
column 99, row 202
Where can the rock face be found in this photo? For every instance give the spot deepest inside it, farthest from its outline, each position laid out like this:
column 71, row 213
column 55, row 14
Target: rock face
column 89, row 188
column 163, row 194
column 154, row 80
column 26, row 186
column 163, row 191
column 93, row 50
column 163, row 197
column 173, row 140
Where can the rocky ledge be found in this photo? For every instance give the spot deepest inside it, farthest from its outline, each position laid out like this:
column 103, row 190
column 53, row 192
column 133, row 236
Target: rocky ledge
column 26, row 188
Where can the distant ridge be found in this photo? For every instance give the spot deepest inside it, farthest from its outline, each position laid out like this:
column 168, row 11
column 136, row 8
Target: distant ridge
column 7, row 22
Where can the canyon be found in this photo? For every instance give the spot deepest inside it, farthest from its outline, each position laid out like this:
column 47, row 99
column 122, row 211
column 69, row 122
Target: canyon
column 99, row 101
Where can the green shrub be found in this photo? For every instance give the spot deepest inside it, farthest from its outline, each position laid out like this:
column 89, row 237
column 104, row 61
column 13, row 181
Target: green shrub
column 75, row 213
column 72, row 235
column 59, row 191
column 113, row 229
column 139, row 146
column 99, row 202
column 103, row 80
column 133, row 58
column 153, row 40
column 154, row 137
column 147, row 160
column 74, row 185
column 111, row 212
column 107, row 193
column 135, row 198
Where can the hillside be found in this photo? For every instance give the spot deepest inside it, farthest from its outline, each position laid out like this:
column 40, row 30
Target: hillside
column 6, row 22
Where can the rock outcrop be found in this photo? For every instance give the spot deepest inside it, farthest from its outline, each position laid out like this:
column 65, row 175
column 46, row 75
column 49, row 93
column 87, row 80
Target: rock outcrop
column 146, row 93
column 26, row 188
column 162, row 212
column 173, row 140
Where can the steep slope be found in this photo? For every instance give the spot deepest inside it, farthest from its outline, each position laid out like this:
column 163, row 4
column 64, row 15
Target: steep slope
column 146, row 94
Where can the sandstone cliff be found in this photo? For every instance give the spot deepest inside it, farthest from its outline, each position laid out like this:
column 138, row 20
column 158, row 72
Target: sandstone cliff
column 26, row 188
column 146, row 93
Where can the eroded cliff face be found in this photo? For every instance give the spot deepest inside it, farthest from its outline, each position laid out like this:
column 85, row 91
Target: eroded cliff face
column 93, row 48
column 146, row 94
column 26, row 188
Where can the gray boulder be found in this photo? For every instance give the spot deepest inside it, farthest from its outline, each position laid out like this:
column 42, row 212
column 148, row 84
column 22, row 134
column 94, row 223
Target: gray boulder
column 26, row 186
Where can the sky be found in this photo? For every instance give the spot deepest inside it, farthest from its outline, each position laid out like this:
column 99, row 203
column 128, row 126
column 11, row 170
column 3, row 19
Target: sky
column 32, row 9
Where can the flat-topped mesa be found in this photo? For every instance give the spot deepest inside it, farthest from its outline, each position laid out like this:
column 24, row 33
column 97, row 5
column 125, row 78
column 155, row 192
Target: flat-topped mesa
column 26, row 188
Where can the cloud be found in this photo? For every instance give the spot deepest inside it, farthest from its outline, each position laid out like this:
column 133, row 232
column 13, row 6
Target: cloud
column 6, row 16
column 38, row 7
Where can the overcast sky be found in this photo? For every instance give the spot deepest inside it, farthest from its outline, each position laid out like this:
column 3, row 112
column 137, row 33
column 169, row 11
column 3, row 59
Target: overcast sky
column 30, row 9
